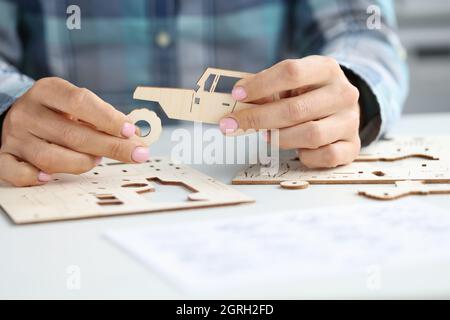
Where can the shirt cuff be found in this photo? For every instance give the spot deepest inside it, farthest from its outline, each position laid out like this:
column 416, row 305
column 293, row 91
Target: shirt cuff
column 370, row 121
column 10, row 91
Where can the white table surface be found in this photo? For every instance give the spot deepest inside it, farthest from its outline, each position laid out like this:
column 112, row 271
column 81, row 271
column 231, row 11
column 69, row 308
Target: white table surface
column 34, row 259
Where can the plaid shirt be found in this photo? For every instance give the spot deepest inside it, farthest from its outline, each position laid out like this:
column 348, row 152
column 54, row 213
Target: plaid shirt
column 126, row 43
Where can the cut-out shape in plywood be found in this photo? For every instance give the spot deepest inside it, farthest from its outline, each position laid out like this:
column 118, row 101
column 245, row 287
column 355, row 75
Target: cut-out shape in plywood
column 398, row 148
column 408, row 167
column 208, row 103
column 114, row 188
column 403, row 189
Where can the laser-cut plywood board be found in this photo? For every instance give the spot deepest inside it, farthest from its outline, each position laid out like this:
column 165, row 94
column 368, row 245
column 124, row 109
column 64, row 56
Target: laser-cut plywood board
column 114, row 188
column 385, row 162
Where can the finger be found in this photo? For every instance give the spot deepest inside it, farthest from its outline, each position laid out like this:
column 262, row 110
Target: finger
column 19, row 173
column 52, row 158
column 314, row 134
column 332, row 155
column 287, row 112
column 82, row 104
column 287, row 75
column 56, row 128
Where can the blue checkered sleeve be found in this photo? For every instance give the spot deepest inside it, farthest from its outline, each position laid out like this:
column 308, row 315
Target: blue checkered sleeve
column 361, row 36
column 12, row 82
column 123, row 44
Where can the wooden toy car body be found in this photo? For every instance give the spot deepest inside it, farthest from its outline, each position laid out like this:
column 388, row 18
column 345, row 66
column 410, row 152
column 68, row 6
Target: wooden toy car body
column 208, row 103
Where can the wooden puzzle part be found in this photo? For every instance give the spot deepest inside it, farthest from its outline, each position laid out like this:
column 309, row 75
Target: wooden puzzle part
column 395, row 157
column 403, row 189
column 210, row 102
column 356, row 172
column 430, row 148
column 294, row 184
column 115, row 188
column 153, row 121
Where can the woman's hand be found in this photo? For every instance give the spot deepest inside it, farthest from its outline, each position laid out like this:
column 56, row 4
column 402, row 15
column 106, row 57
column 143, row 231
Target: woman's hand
column 56, row 127
column 318, row 111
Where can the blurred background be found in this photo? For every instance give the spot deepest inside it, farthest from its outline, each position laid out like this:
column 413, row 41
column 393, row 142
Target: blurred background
column 425, row 32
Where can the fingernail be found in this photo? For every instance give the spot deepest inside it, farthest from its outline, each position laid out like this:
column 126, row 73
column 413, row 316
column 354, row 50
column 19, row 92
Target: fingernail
column 140, row 154
column 44, row 177
column 266, row 136
column 98, row 160
column 239, row 93
column 128, row 129
column 228, row 125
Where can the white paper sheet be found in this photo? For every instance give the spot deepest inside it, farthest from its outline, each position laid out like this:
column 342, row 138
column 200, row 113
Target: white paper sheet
column 294, row 244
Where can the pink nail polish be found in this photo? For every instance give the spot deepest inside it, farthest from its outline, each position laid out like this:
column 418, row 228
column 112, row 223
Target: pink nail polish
column 98, row 160
column 44, row 177
column 128, row 130
column 140, row 154
column 239, row 93
column 228, row 125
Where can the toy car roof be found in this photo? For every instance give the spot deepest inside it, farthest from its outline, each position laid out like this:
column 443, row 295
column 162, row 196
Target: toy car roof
column 221, row 72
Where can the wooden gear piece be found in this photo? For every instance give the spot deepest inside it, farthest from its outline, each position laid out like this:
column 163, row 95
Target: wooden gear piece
column 401, row 159
column 152, row 119
column 114, row 188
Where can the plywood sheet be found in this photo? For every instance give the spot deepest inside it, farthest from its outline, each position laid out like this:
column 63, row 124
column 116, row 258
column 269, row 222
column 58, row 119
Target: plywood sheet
column 114, row 188
column 399, row 159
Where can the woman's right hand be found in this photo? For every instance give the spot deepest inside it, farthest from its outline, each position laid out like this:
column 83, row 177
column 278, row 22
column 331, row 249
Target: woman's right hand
column 56, row 127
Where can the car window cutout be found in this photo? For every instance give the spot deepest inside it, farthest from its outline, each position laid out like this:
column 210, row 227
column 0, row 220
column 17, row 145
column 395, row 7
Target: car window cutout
column 209, row 82
column 226, row 84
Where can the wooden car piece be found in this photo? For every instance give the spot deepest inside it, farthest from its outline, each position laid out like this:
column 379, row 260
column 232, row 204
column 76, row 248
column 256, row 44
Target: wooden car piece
column 208, row 103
